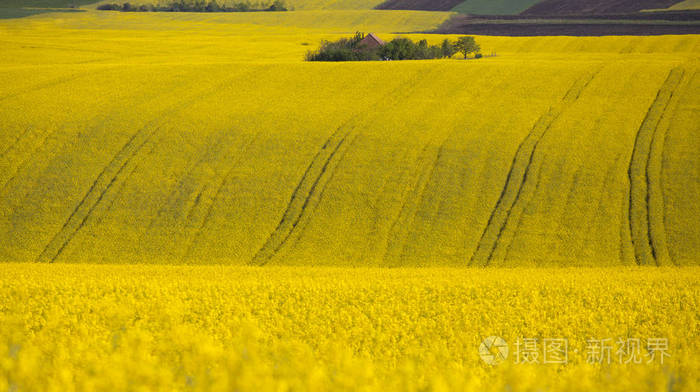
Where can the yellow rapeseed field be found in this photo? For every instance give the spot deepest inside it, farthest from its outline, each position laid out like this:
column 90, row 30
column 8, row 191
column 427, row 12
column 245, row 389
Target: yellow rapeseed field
column 205, row 139
column 90, row 327
column 205, row 142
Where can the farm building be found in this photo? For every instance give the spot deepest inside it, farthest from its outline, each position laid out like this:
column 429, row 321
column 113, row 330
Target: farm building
column 371, row 41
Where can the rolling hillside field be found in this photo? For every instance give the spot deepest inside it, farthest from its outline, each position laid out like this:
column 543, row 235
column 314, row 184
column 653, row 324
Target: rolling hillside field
column 560, row 151
column 686, row 5
column 186, row 204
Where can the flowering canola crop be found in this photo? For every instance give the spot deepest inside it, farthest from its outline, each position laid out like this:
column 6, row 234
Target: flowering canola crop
column 90, row 327
column 186, row 146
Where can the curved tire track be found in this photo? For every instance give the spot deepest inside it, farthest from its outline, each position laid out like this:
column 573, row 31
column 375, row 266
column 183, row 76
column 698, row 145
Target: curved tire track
column 94, row 195
column 202, row 209
column 523, row 170
column 46, row 84
column 400, row 228
column 303, row 193
column 316, row 176
column 110, row 174
column 645, row 195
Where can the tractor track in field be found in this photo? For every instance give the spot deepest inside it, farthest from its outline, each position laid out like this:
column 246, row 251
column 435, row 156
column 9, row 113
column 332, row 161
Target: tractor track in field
column 301, row 226
column 4, row 183
column 416, row 191
column 645, row 195
column 50, row 83
column 303, row 193
column 98, row 219
column 207, row 207
column 519, row 221
column 607, row 184
column 177, row 192
column 94, row 195
column 515, row 191
column 109, row 175
column 319, row 171
column 23, row 162
column 400, row 228
column 393, row 246
column 135, row 167
column 14, row 144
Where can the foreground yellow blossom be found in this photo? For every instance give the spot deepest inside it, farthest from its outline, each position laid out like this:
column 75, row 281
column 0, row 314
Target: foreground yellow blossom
column 87, row 327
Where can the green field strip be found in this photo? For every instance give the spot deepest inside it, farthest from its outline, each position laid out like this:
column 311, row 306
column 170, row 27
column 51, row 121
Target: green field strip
column 494, row 7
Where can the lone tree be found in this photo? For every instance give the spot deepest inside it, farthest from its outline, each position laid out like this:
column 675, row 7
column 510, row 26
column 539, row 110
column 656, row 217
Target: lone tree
column 448, row 48
column 466, row 45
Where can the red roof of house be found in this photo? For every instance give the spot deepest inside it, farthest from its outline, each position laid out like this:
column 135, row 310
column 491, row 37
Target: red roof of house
column 372, row 41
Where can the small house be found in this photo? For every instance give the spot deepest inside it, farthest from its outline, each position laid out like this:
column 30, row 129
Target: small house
column 371, row 41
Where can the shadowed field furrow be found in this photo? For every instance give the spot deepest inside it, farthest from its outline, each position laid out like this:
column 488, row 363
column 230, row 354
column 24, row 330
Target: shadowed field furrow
column 645, row 195
column 48, row 84
column 520, row 183
column 656, row 218
column 310, row 188
column 414, row 192
column 19, row 154
column 303, row 194
column 198, row 216
column 122, row 162
column 95, row 194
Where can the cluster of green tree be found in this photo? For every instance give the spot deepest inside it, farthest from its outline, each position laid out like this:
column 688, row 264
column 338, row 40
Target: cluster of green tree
column 354, row 49
column 197, row 6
